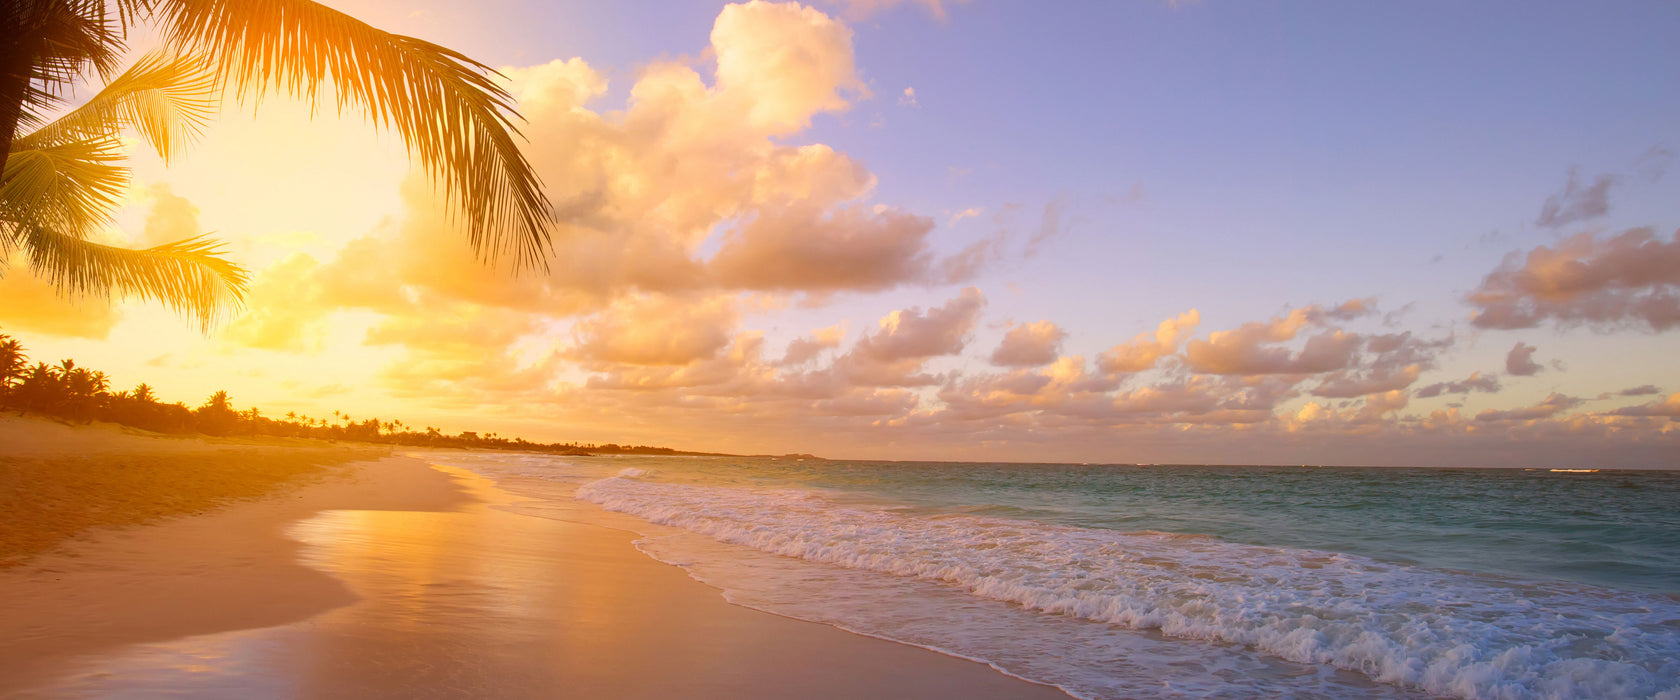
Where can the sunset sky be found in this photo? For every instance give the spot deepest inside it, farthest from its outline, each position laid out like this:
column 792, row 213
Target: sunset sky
column 1146, row 231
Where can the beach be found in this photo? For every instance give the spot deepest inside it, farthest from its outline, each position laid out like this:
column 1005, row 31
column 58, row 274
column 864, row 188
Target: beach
column 392, row 577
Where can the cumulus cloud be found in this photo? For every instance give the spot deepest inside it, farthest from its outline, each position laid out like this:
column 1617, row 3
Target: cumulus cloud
column 806, row 348
column 1577, row 203
column 655, row 330
column 1552, row 405
column 1144, row 351
column 1029, row 345
column 1256, row 347
column 859, row 248
column 917, row 334
column 171, row 218
column 1632, row 278
column 283, row 310
column 1475, row 382
column 464, row 355
column 1519, row 362
column 784, row 62
column 893, row 355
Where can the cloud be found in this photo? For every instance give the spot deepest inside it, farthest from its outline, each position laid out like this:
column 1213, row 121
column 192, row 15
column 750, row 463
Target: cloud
column 915, row 334
column 172, row 218
column 1577, row 203
column 1029, row 345
column 1352, row 309
column 283, row 310
column 1342, row 385
column 1255, row 347
column 908, row 98
column 655, row 330
column 1053, row 223
column 465, row 355
column 1669, row 408
column 1475, row 382
column 1646, row 390
column 893, row 355
column 1627, row 279
column 29, row 303
column 804, row 349
column 1552, row 405
column 1520, row 361
column 855, row 248
column 645, row 187
column 969, row 213
column 1653, row 164
column 784, row 62
column 1144, row 351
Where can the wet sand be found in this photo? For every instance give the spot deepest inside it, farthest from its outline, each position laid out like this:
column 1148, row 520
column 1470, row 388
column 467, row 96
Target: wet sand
column 405, row 580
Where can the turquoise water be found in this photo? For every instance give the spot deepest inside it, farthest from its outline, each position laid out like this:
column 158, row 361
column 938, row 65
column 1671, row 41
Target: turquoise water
column 1613, row 528
column 1125, row 581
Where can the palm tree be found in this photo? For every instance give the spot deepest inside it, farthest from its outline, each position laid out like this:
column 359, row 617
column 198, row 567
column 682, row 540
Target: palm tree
column 62, row 180
column 13, row 361
column 143, row 393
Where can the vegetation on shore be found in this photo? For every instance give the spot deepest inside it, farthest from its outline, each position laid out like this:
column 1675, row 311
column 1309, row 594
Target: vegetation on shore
column 78, row 394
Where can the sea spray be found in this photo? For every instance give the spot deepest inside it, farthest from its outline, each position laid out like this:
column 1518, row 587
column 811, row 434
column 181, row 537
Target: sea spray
column 1449, row 633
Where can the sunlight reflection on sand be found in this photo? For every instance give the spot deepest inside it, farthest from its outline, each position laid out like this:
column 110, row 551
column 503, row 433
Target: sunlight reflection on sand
column 444, row 596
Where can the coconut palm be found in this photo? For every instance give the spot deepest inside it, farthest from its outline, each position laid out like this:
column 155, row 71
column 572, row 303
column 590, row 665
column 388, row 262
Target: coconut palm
column 61, row 180
column 13, row 361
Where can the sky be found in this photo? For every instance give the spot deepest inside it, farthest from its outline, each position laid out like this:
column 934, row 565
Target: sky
column 1432, row 233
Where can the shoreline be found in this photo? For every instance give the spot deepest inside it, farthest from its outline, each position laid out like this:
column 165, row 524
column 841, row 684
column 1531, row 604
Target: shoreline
column 229, row 569
column 375, row 584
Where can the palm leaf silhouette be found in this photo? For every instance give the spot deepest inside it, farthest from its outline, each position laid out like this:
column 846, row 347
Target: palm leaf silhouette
column 189, row 276
column 167, row 98
column 446, row 107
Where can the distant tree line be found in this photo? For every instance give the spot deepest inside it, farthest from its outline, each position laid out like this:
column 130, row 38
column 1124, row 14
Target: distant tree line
column 77, row 394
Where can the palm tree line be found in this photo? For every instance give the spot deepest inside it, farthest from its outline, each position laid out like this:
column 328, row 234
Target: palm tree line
column 62, row 179
column 78, row 394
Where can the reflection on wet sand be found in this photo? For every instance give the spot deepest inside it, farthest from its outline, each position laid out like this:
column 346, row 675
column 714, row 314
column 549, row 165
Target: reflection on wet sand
column 483, row 602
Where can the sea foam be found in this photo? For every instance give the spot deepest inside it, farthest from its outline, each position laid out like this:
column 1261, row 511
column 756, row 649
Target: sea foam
column 1447, row 633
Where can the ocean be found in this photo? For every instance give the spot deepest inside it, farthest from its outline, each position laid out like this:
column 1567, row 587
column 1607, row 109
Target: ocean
column 1128, row 581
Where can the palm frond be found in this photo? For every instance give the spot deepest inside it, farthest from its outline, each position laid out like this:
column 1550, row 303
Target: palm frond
column 70, row 187
column 446, row 107
column 189, row 276
column 50, row 45
column 167, row 98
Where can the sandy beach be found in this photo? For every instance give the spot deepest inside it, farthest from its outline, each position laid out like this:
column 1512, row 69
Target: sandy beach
column 390, row 577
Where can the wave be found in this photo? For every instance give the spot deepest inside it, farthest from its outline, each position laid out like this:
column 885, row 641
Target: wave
column 1448, row 633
